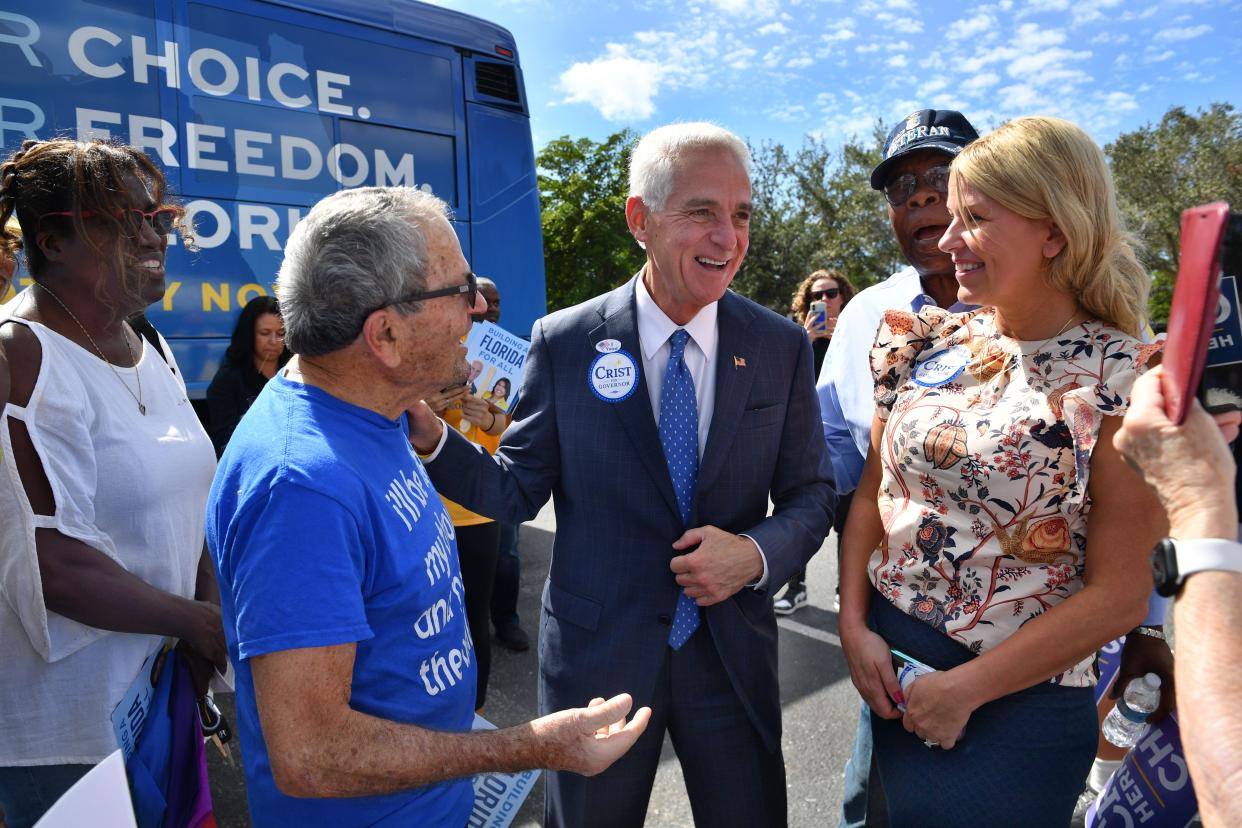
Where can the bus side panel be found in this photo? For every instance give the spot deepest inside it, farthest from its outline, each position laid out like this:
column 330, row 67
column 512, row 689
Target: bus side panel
column 507, row 243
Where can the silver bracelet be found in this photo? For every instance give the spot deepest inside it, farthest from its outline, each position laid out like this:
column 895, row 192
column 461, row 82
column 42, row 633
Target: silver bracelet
column 1150, row 632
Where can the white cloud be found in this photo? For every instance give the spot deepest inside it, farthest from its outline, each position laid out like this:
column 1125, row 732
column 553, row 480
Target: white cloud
column 773, row 29
column 932, row 86
column 621, row 88
column 1039, row 65
column 977, row 83
column 1022, row 97
column 1154, row 56
column 1184, row 33
column 898, row 61
column 839, row 35
column 899, row 23
column 867, row 48
column 800, row 62
column 1119, row 102
column 788, row 113
column 970, row 27
column 760, row 9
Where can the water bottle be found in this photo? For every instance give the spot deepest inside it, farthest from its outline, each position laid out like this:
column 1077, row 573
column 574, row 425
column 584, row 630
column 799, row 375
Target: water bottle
column 1125, row 721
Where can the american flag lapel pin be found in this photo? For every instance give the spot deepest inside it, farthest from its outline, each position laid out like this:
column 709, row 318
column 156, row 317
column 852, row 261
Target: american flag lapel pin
column 738, row 362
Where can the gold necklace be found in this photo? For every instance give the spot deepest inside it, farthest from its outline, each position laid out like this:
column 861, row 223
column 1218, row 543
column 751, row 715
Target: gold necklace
column 1064, row 328
column 142, row 409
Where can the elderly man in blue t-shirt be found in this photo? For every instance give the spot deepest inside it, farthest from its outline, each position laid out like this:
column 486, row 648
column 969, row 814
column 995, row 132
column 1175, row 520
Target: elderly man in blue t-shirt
column 341, row 592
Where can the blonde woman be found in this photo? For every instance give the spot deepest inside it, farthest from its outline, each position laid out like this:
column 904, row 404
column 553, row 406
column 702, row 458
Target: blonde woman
column 997, row 536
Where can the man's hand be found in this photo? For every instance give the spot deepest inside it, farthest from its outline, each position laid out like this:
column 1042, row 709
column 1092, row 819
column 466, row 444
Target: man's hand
column 424, row 427
column 1189, row 466
column 1141, row 655
column 722, row 564
column 587, row 740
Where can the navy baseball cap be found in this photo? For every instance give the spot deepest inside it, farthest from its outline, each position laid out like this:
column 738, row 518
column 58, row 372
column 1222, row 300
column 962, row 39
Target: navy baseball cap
column 945, row 130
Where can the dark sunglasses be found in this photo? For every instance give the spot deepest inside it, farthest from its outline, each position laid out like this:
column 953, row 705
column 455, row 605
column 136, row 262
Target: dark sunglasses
column 899, row 189
column 132, row 219
column 826, row 293
column 471, row 287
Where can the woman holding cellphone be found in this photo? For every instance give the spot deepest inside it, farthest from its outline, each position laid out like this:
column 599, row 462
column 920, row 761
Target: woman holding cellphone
column 997, row 535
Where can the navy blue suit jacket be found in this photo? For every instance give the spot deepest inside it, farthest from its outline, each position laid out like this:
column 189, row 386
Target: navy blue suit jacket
column 610, row 593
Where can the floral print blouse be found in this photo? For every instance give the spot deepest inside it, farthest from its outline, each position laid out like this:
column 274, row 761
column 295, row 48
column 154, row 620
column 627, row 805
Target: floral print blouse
column 986, row 453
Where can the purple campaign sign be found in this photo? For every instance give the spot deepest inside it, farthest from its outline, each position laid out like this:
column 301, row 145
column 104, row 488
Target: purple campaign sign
column 1152, row 787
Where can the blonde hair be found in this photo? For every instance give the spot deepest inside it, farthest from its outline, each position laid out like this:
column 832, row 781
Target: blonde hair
column 1040, row 168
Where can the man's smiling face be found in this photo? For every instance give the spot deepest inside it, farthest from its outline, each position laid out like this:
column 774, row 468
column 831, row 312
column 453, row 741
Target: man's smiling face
column 697, row 241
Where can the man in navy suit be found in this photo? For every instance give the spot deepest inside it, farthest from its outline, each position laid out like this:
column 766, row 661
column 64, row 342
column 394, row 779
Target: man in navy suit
column 662, row 417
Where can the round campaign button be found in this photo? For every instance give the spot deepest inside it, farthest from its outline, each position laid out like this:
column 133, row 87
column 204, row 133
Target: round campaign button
column 613, row 376
column 607, row 346
column 941, row 367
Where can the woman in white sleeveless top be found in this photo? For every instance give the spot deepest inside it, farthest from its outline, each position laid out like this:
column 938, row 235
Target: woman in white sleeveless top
column 104, row 469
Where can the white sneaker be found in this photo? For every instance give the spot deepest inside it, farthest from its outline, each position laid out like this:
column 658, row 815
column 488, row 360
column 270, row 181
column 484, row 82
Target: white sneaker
column 793, row 600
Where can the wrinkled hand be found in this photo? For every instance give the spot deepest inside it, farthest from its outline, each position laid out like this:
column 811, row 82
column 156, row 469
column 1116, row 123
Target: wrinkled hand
column 871, row 669
column 424, row 427
column 439, row 401
column 722, row 564
column 935, row 710
column 477, row 411
column 587, row 740
column 1189, row 466
column 1143, row 654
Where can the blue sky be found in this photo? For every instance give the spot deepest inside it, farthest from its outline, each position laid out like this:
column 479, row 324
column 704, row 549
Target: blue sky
column 780, row 69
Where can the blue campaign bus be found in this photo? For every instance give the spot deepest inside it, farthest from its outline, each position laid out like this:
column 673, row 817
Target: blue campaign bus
column 256, row 109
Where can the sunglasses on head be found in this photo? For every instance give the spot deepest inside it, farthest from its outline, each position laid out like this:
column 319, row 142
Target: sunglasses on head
column 899, row 189
column 826, row 293
column 132, row 218
column 471, row 287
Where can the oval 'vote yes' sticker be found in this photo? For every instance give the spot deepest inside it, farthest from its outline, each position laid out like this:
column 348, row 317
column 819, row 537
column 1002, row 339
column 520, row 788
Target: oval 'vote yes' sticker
column 613, row 376
column 941, row 367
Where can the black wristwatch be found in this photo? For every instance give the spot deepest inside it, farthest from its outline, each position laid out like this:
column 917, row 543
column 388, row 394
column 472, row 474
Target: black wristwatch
column 1174, row 560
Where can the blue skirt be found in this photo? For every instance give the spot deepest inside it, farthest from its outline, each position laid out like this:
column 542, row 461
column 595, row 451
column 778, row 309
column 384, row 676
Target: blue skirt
column 1022, row 761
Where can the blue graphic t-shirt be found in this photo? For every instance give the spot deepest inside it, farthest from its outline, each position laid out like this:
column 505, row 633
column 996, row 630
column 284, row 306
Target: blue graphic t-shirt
column 325, row 530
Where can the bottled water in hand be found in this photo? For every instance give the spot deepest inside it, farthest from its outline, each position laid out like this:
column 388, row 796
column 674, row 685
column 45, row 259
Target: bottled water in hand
column 1125, row 721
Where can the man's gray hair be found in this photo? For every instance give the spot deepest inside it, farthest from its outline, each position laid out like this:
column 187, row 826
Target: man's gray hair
column 653, row 166
column 356, row 251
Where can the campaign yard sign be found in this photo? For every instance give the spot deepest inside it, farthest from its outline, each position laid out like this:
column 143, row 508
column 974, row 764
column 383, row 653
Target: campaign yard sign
column 497, row 362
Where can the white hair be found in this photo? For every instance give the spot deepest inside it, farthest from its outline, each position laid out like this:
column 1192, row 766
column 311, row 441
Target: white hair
column 653, row 165
column 355, row 252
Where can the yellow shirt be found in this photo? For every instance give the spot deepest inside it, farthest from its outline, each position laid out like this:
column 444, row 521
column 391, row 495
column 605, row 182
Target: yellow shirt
column 452, row 416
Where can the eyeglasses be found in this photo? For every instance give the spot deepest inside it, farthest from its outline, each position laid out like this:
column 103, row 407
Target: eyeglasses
column 132, row 219
column 899, row 189
column 826, row 293
column 471, row 287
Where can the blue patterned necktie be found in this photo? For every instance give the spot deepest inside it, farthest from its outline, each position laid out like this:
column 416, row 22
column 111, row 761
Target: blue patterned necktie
column 679, row 435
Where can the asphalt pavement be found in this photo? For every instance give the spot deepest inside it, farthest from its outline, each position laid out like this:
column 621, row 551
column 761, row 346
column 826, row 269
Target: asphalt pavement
column 820, row 705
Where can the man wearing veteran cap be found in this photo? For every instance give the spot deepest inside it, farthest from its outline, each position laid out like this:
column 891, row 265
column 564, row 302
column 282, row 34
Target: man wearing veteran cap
column 661, row 417
column 914, row 177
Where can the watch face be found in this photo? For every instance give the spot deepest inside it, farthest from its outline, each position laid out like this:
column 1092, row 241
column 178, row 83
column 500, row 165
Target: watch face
column 1164, row 568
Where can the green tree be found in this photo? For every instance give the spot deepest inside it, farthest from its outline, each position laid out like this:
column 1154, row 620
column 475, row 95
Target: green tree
column 1185, row 160
column 587, row 246
column 836, row 184
column 816, row 210
column 785, row 238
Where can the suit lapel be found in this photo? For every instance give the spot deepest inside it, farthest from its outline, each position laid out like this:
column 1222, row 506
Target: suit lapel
column 620, row 322
column 736, row 363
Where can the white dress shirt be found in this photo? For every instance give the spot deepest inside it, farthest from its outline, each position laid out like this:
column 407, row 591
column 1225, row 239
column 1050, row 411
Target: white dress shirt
column 654, row 330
